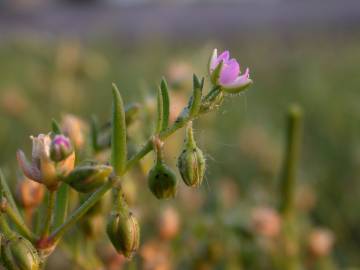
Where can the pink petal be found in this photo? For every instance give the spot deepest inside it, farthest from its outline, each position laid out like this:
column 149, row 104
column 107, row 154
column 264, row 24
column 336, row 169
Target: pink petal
column 229, row 72
column 29, row 170
column 222, row 57
column 241, row 80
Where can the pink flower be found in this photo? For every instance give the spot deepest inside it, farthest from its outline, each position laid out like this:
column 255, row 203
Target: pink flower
column 225, row 72
column 42, row 168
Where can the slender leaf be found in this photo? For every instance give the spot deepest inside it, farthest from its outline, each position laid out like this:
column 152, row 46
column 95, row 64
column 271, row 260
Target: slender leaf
column 165, row 103
column 62, row 205
column 118, row 138
column 56, row 129
column 195, row 103
column 160, row 112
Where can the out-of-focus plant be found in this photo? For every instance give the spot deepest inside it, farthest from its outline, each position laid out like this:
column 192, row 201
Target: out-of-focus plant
column 78, row 175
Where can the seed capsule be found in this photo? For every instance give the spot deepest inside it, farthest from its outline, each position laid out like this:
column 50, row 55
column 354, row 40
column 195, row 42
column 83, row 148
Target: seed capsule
column 161, row 179
column 88, row 178
column 124, row 233
column 191, row 162
column 17, row 253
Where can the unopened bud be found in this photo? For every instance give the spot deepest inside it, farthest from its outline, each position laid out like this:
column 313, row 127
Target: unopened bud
column 29, row 193
column 17, row 253
column 161, row 179
column 60, row 148
column 321, row 242
column 266, row 222
column 169, row 223
column 88, row 178
column 191, row 162
column 124, row 233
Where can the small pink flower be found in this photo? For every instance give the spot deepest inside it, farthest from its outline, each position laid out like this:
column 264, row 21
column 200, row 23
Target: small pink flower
column 225, row 72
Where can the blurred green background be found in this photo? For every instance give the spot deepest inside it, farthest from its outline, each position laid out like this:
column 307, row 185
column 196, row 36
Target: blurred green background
column 43, row 78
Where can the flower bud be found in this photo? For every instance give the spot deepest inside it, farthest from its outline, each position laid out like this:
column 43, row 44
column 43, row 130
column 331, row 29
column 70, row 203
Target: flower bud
column 60, row 148
column 75, row 129
column 191, row 162
column 17, row 253
column 88, row 178
column 161, row 179
column 266, row 222
column 321, row 242
column 124, row 233
column 169, row 223
column 29, row 194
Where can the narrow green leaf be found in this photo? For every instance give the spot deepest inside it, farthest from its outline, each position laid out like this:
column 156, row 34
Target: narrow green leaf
column 118, row 138
column 160, row 113
column 94, row 131
column 5, row 191
column 56, row 129
column 62, row 205
column 165, row 103
column 195, row 102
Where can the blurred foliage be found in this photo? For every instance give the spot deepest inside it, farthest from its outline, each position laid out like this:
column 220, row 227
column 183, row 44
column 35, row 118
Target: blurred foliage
column 40, row 80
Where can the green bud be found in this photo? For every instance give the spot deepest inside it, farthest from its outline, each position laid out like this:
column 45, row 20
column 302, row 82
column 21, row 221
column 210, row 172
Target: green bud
column 124, row 233
column 191, row 162
column 88, row 178
column 162, row 181
column 17, row 253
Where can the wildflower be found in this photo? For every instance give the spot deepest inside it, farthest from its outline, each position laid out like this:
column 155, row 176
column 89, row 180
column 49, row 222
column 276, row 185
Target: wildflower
column 321, row 242
column 75, row 129
column 169, row 223
column 42, row 168
column 266, row 221
column 225, row 73
column 29, row 193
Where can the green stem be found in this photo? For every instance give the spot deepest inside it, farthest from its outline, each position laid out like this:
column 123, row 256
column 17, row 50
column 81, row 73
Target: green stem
column 5, row 229
column 291, row 160
column 288, row 185
column 49, row 213
column 20, row 224
column 78, row 213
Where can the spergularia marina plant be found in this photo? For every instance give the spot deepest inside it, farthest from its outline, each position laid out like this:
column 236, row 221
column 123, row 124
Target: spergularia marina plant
column 61, row 164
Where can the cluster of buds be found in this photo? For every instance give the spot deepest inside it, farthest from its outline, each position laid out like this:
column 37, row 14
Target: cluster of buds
column 52, row 159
